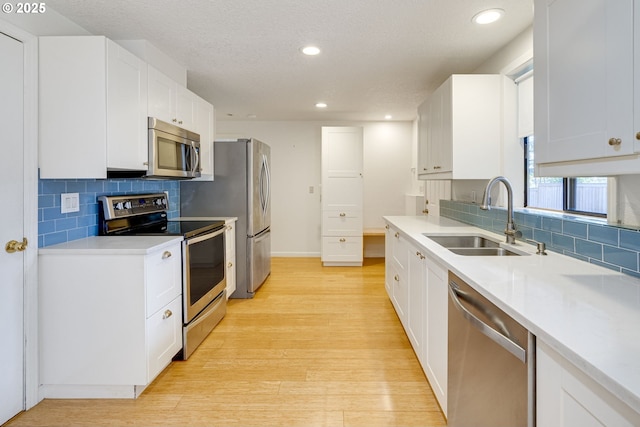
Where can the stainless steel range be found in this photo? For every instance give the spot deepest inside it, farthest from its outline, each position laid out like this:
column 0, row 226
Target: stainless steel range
column 203, row 257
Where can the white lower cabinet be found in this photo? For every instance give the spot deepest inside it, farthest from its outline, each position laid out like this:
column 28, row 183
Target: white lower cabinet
column 434, row 356
column 417, row 287
column 567, row 397
column 109, row 323
column 230, row 256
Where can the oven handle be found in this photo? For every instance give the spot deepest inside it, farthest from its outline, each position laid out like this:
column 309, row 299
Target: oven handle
column 191, row 240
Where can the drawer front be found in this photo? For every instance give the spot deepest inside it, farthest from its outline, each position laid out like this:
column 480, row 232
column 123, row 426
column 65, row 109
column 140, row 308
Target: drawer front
column 342, row 249
column 399, row 250
column 342, row 223
column 163, row 277
column 164, row 337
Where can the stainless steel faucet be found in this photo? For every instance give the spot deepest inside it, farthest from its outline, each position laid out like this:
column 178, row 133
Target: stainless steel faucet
column 510, row 231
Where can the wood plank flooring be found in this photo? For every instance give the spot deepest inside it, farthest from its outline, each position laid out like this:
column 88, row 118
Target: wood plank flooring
column 317, row 346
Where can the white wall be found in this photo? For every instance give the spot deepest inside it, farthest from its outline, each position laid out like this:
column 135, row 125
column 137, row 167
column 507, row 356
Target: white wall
column 295, row 160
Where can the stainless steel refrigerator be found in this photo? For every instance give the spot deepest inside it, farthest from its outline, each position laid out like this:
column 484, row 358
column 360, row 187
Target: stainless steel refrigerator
column 241, row 188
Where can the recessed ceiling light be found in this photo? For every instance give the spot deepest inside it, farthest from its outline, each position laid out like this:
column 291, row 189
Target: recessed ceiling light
column 310, row 50
column 487, row 16
column 321, row 105
column 388, row 117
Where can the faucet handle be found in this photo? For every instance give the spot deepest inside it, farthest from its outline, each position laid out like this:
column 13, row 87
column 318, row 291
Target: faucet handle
column 542, row 247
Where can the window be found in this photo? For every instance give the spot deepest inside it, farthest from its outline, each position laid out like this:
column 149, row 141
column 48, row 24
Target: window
column 585, row 195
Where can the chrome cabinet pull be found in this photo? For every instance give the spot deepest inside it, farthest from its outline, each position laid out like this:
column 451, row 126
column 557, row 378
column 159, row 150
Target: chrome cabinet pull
column 167, row 314
column 166, row 255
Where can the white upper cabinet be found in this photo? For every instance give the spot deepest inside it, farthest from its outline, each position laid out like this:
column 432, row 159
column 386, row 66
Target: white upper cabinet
column 170, row 101
column 460, row 129
column 173, row 103
column 92, row 107
column 205, row 128
column 584, row 90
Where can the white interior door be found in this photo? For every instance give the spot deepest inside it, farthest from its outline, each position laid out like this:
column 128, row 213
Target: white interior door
column 12, row 373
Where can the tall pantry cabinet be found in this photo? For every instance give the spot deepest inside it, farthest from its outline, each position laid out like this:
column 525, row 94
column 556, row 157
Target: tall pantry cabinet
column 342, row 196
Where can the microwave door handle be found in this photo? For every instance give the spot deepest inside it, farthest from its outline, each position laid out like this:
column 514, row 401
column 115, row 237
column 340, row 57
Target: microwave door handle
column 194, row 165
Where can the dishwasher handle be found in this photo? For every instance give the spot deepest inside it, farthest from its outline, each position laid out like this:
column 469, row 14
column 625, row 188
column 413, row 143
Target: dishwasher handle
column 487, row 330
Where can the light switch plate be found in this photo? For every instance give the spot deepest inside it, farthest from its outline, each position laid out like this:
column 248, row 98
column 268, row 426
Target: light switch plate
column 69, row 202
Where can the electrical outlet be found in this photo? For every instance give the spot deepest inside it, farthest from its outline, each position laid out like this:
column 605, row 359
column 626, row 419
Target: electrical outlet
column 69, row 202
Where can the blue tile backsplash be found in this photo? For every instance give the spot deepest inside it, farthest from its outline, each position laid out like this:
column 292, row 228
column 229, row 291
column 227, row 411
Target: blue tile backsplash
column 55, row 227
column 582, row 238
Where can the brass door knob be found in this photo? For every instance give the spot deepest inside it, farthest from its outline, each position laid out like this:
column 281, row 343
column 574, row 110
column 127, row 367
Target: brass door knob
column 15, row 246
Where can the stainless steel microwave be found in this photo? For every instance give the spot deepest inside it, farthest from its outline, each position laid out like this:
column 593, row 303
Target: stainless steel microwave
column 174, row 152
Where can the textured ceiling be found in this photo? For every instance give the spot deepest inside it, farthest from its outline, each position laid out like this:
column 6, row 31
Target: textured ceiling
column 378, row 56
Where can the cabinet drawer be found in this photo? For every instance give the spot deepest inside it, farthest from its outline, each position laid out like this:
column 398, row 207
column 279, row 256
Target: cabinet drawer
column 342, row 249
column 399, row 250
column 164, row 277
column 342, row 223
column 164, row 337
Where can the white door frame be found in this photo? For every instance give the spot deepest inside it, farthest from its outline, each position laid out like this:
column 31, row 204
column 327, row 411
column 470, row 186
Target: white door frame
column 30, row 179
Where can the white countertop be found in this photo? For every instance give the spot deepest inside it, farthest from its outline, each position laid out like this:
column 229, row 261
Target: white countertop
column 589, row 314
column 111, row 245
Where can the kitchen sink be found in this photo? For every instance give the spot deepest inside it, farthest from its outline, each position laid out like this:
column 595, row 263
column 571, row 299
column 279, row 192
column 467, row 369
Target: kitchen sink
column 470, row 245
column 483, row 251
column 459, row 241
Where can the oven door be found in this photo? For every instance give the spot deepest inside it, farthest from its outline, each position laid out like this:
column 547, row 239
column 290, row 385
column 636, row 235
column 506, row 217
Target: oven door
column 203, row 271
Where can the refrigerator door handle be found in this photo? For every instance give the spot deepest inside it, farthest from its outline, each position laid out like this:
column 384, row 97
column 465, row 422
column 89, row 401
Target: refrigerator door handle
column 265, row 184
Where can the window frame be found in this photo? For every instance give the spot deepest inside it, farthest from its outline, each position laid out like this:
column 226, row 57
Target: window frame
column 568, row 189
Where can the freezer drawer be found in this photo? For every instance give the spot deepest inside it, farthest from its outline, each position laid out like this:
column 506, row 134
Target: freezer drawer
column 259, row 258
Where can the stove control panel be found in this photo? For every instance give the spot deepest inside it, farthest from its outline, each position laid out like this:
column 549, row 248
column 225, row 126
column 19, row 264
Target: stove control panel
column 134, row 204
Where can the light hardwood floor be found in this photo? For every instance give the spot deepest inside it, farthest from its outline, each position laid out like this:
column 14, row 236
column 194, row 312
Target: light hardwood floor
column 316, row 346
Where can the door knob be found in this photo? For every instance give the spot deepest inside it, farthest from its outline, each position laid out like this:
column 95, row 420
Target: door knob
column 15, row 246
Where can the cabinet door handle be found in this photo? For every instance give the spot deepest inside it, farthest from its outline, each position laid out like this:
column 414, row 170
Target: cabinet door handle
column 638, row 135
column 230, row 264
column 437, row 167
column 343, row 214
column 167, row 314
column 166, row 255
column 174, row 120
column 180, row 122
column 342, row 240
column 615, row 141
column 386, row 226
column 397, row 235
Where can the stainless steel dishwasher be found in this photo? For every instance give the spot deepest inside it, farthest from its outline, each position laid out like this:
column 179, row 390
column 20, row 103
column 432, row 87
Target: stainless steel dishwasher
column 491, row 372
